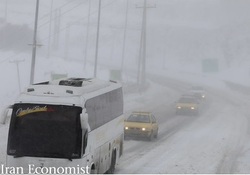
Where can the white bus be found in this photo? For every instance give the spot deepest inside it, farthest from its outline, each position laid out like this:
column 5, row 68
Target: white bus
column 70, row 126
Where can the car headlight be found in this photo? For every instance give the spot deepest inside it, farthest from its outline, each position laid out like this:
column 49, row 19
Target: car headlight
column 126, row 128
column 178, row 107
column 203, row 96
column 192, row 107
column 143, row 129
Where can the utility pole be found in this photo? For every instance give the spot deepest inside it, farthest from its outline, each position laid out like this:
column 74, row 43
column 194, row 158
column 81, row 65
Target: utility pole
column 18, row 72
column 144, row 33
column 34, row 45
column 140, row 55
column 124, row 37
column 5, row 28
column 50, row 26
column 6, row 11
column 141, row 79
column 67, row 40
column 87, row 37
column 97, row 38
column 57, row 23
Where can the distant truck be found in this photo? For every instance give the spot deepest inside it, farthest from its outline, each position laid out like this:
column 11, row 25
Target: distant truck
column 67, row 126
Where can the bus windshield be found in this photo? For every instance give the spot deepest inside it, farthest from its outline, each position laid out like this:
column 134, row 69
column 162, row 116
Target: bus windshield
column 41, row 130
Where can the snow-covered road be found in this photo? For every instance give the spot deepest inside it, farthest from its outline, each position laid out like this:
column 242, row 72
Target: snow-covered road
column 217, row 141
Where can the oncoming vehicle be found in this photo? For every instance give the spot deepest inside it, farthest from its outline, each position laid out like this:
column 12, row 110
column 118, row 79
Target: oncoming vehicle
column 198, row 91
column 141, row 124
column 75, row 123
column 191, row 95
column 187, row 105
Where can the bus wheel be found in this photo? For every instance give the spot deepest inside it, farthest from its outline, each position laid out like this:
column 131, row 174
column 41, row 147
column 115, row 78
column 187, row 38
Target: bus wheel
column 112, row 165
column 93, row 170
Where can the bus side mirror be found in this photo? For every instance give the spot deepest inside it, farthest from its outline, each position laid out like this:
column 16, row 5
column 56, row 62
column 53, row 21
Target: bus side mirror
column 85, row 127
column 4, row 114
column 84, row 121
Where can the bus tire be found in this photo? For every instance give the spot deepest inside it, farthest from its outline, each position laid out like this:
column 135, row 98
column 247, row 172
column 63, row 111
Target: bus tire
column 111, row 169
column 93, row 170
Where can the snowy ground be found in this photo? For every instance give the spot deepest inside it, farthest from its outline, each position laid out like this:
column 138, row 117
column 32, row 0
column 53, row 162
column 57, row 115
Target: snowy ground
column 215, row 142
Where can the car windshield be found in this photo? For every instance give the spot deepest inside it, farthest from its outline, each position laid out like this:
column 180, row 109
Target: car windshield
column 139, row 118
column 187, row 100
column 197, row 88
column 45, row 131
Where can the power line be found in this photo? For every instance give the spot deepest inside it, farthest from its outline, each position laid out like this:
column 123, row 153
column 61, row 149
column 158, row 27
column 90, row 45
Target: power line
column 32, row 23
column 62, row 29
column 44, row 16
column 65, row 12
column 18, row 72
column 67, row 26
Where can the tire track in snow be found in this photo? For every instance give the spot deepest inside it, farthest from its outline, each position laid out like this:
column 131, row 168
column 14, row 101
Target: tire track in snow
column 169, row 124
column 239, row 130
column 220, row 152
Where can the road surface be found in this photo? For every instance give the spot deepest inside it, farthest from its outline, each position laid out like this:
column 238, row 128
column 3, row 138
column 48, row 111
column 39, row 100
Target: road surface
column 216, row 141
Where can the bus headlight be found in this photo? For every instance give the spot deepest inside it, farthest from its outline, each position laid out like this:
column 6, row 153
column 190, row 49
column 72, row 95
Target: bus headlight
column 126, row 128
column 178, row 107
column 143, row 129
column 203, row 96
column 192, row 107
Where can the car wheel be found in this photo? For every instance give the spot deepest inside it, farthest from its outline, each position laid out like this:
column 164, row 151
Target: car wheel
column 197, row 112
column 156, row 134
column 151, row 136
